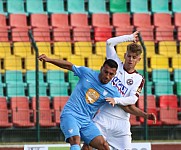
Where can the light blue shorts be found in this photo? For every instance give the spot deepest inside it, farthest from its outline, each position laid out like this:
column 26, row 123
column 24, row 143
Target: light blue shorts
column 72, row 126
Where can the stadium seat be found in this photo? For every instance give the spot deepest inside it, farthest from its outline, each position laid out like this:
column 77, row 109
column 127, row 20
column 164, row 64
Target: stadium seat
column 76, row 6
column 169, row 116
column 30, row 64
column 31, row 88
column 163, row 88
column 2, row 11
column 176, row 6
column 79, row 20
column 149, row 86
column 150, row 48
column 58, row 104
column 142, row 23
column 55, row 76
column 76, row 60
column 22, row 49
column 34, row 7
column 100, row 20
column 73, row 80
column 81, row 34
column 102, row 33
column 139, row 6
column 159, row 62
column 3, row 29
column 167, row 48
column 15, row 7
column 134, row 121
column 13, row 76
column 45, row 112
column 161, row 6
column 95, row 6
column 176, row 62
column 44, row 48
column 56, row 7
column 177, row 75
column 15, row 89
column 177, row 23
column 5, row 49
column 61, row 35
column 62, row 49
column 83, row 48
column 19, row 35
column 41, row 34
column 59, row 21
column 13, row 63
column 121, row 48
column 163, row 27
column 118, row 6
column 100, row 48
column 30, row 77
column 21, row 113
column 4, row 113
column 168, row 101
column 58, row 89
column 161, row 75
column 95, row 61
column 151, row 102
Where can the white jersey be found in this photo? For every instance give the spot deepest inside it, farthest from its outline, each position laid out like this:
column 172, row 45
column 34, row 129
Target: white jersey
column 128, row 84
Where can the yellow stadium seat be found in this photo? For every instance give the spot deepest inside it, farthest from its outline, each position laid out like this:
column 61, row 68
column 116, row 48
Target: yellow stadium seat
column 167, row 48
column 30, row 63
column 83, row 48
column 150, row 48
column 44, row 48
column 100, row 48
column 50, row 66
column 5, row 49
column 176, row 62
column 121, row 48
column 13, row 63
column 62, row 49
column 160, row 62
column 76, row 60
column 95, row 61
column 22, row 49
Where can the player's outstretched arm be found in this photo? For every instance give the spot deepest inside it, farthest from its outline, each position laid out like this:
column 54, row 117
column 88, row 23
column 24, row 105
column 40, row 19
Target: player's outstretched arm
column 60, row 63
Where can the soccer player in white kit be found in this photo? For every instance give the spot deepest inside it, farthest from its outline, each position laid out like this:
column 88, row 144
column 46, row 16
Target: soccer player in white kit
column 113, row 122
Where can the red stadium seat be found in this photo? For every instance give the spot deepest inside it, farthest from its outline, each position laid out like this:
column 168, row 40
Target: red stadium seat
column 46, row 113
column 59, row 21
column 100, row 20
column 61, row 35
column 4, row 113
column 79, row 20
column 21, row 113
column 102, row 33
column 134, row 121
column 58, row 104
column 82, row 34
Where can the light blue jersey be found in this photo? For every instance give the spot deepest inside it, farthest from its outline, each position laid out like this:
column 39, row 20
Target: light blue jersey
column 88, row 96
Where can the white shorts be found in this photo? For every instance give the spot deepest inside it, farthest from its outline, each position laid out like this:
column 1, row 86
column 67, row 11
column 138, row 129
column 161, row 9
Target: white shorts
column 116, row 131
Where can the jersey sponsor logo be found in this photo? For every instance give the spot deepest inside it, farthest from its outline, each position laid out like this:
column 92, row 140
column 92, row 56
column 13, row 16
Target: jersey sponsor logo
column 105, row 93
column 122, row 89
column 70, row 130
column 129, row 81
column 92, row 96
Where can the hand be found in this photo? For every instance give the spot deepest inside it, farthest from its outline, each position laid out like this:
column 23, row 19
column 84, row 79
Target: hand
column 110, row 100
column 135, row 35
column 43, row 57
column 152, row 116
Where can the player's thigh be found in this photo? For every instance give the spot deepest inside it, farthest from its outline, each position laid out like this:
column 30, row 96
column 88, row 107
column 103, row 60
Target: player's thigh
column 69, row 126
column 89, row 132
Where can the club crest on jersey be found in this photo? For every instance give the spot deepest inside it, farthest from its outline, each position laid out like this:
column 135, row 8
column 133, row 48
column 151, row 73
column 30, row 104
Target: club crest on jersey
column 129, row 81
column 92, row 96
column 122, row 88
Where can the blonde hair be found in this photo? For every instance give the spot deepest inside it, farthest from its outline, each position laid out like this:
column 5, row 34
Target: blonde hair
column 134, row 48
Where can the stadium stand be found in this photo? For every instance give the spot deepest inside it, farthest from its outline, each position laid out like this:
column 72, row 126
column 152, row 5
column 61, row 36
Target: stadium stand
column 34, row 7
column 118, row 6
column 139, row 6
column 16, row 7
column 81, row 34
column 95, row 6
column 76, row 6
column 83, row 48
column 176, row 6
column 161, row 6
column 30, row 76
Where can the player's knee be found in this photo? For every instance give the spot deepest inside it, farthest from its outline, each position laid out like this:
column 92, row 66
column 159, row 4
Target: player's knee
column 74, row 140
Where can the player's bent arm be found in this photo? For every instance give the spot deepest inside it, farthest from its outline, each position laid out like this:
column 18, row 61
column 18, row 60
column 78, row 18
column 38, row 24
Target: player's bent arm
column 60, row 63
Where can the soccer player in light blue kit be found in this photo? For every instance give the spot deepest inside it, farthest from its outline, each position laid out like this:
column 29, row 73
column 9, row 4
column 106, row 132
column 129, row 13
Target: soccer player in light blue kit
column 88, row 96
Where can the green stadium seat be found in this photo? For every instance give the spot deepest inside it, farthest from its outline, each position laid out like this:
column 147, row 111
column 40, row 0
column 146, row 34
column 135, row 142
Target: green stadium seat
column 1, row 90
column 118, row 6
column 58, row 89
column 35, row 7
column 15, row 7
column 74, row 6
column 32, row 89
column 31, row 76
column 13, row 76
column 163, row 88
column 148, row 88
column 15, row 89
column 2, row 12
column 176, row 6
column 161, row 6
column 161, row 75
column 56, row 6
column 55, row 76
column 139, row 6
column 73, row 80
column 177, row 75
column 178, row 87
column 97, row 6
